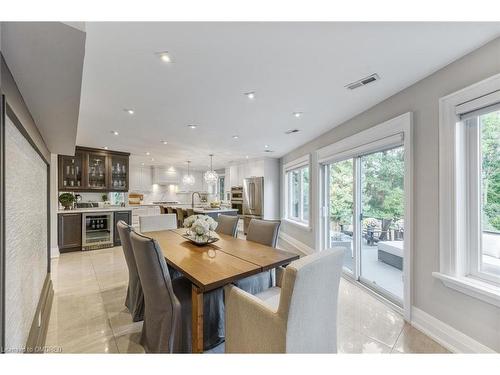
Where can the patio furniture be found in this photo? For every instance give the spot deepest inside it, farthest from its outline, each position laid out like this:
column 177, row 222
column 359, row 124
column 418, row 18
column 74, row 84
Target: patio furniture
column 391, row 253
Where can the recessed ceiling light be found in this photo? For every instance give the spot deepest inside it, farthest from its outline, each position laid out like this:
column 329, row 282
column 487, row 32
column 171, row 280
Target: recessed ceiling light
column 105, row 147
column 291, row 131
column 192, row 126
column 250, row 95
column 142, row 163
column 148, row 153
column 235, row 136
column 130, row 111
column 114, row 132
column 266, row 146
column 297, row 114
column 164, row 142
column 246, row 156
column 152, row 159
column 165, row 57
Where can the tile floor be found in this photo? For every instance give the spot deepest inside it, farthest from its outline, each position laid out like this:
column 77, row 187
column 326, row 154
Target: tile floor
column 88, row 315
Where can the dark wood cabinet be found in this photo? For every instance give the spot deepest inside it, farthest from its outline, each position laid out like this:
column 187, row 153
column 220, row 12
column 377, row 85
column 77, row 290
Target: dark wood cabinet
column 126, row 216
column 94, row 170
column 69, row 229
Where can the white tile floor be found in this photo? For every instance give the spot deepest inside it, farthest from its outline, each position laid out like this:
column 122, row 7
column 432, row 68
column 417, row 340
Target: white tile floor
column 89, row 316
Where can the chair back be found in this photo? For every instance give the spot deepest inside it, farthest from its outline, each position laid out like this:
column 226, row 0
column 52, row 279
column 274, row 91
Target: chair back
column 190, row 212
column 162, row 307
column 181, row 215
column 170, row 210
column 308, row 302
column 153, row 223
column 263, row 231
column 134, row 300
column 163, row 210
column 227, row 225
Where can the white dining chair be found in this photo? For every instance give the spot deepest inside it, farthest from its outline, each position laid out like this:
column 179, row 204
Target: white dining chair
column 153, row 223
column 299, row 315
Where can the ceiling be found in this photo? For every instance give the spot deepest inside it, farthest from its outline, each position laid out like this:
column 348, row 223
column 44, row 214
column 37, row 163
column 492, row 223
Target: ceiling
column 291, row 67
column 46, row 61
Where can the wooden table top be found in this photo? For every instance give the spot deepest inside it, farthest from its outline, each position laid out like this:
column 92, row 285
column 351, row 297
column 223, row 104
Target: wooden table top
column 215, row 265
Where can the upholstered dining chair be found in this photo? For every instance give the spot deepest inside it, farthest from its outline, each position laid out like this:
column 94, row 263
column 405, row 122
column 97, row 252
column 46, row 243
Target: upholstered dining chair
column 181, row 215
column 163, row 210
column 134, row 301
column 299, row 315
column 170, row 210
column 190, row 212
column 227, row 225
column 152, row 223
column 163, row 328
column 167, row 302
column 266, row 233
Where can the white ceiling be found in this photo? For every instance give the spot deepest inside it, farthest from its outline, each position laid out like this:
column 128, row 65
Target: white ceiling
column 291, row 67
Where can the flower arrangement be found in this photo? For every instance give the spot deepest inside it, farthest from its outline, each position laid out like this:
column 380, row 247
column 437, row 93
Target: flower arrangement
column 200, row 226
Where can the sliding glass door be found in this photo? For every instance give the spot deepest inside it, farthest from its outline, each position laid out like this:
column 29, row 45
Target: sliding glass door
column 365, row 215
column 382, row 222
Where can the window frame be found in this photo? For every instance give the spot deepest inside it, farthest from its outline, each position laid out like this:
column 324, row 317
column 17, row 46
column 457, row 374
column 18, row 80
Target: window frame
column 297, row 165
column 458, row 197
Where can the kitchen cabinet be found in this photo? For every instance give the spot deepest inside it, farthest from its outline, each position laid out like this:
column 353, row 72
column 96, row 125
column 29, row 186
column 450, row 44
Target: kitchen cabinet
column 69, row 229
column 141, row 179
column 126, row 216
column 93, row 170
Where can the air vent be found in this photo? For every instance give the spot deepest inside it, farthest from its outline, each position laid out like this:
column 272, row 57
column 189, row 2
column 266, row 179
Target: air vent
column 291, row 131
column 267, row 150
column 363, row 82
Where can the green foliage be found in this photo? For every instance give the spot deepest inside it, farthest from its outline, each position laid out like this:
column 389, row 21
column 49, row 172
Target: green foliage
column 66, row 199
column 341, row 188
column 490, row 150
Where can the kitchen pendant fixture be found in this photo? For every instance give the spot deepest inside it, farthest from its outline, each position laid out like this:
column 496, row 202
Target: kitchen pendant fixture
column 188, row 179
column 211, row 176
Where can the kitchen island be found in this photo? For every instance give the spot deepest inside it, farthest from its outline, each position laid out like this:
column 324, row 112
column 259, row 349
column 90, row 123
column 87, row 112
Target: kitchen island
column 215, row 212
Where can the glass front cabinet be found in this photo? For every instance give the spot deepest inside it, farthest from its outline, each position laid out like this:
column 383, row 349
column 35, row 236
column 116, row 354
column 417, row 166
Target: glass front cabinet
column 94, row 170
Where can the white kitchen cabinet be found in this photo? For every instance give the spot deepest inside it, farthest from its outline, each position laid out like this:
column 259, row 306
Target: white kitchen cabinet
column 141, row 179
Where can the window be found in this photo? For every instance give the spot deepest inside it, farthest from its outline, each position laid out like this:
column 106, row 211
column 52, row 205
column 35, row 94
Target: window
column 220, row 188
column 297, row 192
column 469, row 190
column 481, row 131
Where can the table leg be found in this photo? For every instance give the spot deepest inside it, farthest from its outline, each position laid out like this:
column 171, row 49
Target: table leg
column 197, row 320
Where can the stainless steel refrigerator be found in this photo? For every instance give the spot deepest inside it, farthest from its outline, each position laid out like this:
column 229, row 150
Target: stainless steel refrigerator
column 253, row 200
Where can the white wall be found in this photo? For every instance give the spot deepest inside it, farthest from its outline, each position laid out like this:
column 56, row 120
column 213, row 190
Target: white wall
column 475, row 318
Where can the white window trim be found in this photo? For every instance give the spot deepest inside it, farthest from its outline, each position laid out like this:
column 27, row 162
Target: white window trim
column 454, row 255
column 396, row 131
column 303, row 161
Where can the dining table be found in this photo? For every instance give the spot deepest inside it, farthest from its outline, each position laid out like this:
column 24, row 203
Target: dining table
column 214, row 265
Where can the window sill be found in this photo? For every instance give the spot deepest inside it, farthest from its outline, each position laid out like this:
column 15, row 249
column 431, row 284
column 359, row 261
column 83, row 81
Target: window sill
column 297, row 224
column 475, row 288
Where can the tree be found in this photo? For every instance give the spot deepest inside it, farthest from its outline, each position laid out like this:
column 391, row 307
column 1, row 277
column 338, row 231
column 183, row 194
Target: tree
column 490, row 150
column 341, row 192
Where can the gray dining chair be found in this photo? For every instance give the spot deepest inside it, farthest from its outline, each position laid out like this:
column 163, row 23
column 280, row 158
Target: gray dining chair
column 190, row 212
column 266, row 233
column 167, row 313
column 181, row 215
column 134, row 301
column 227, row 225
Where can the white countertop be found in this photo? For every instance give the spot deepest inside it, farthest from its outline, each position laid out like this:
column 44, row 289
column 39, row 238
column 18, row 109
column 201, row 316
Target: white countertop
column 213, row 210
column 94, row 209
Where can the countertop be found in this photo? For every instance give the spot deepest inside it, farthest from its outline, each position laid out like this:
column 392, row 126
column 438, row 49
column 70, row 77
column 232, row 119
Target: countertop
column 213, row 210
column 95, row 209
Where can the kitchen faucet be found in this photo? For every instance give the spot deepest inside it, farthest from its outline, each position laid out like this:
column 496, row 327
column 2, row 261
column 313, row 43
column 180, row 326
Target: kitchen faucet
column 192, row 197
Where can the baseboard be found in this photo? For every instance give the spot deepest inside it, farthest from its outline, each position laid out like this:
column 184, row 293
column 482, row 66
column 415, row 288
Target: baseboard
column 296, row 244
column 54, row 252
column 449, row 337
column 40, row 324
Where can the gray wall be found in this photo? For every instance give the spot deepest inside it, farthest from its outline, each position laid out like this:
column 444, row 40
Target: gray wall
column 476, row 319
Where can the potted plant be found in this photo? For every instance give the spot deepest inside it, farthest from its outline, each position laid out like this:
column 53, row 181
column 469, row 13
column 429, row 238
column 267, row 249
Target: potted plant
column 67, row 200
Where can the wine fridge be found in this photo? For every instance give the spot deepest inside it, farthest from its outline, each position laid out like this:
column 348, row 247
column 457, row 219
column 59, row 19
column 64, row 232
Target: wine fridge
column 97, row 231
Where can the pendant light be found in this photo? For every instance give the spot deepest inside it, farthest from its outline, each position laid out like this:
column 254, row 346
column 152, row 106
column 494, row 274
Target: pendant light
column 188, row 178
column 211, row 176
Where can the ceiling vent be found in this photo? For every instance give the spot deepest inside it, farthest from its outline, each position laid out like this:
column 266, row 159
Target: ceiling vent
column 267, row 150
column 363, row 82
column 291, row 131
